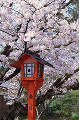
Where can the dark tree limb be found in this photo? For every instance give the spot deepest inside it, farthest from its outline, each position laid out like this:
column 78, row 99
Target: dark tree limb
column 40, row 99
column 7, row 50
column 47, row 4
column 58, row 46
column 73, row 87
column 7, row 47
column 27, row 25
column 13, row 74
column 16, row 110
column 20, row 90
column 2, row 76
column 10, row 5
column 18, row 27
column 59, row 82
column 25, row 44
column 67, row 4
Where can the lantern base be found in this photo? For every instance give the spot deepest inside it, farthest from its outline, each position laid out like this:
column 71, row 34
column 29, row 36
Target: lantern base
column 36, row 84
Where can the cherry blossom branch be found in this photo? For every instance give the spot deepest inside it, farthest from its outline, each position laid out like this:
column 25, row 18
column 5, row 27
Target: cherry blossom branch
column 20, row 90
column 30, row 5
column 13, row 10
column 67, row 4
column 7, row 50
column 47, row 4
column 7, row 32
column 1, row 78
column 61, row 80
column 75, row 86
column 28, row 21
column 12, row 75
column 18, row 47
column 58, row 46
column 40, row 99
column 35, row 7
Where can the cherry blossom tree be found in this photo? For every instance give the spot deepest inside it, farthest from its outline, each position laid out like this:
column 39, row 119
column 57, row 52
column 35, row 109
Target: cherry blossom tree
column 48, row 30
column 43, row 25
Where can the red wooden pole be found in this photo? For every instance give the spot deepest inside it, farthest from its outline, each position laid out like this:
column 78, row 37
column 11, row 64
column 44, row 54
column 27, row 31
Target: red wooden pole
column 31, row 100
column 32, row 86
column 31, row 106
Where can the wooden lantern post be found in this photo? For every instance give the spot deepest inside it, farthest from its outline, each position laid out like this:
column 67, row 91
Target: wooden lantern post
column 32, row 69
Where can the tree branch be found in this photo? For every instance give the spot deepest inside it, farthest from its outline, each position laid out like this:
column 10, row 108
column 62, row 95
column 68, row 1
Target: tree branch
column 8, row 33
column 74, row 86
column 2, row 76
column 67, row 4
column 12, row 75
column 7, row 50
column 13, row 10
column 27, row 25
column 61, row 80
column 48, row 95
column 58, row 46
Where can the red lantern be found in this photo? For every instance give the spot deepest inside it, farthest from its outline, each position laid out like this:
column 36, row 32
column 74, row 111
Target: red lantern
column 32, row 69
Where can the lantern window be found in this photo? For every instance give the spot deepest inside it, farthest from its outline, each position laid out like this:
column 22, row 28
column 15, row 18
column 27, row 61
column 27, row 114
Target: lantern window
column 28, row 69
column 40, row 70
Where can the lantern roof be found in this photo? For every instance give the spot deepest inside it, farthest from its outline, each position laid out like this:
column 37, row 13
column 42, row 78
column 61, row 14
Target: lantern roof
column 35, row 56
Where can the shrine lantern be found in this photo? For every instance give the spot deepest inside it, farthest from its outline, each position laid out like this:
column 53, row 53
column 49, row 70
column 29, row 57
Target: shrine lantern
column 32, row 69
